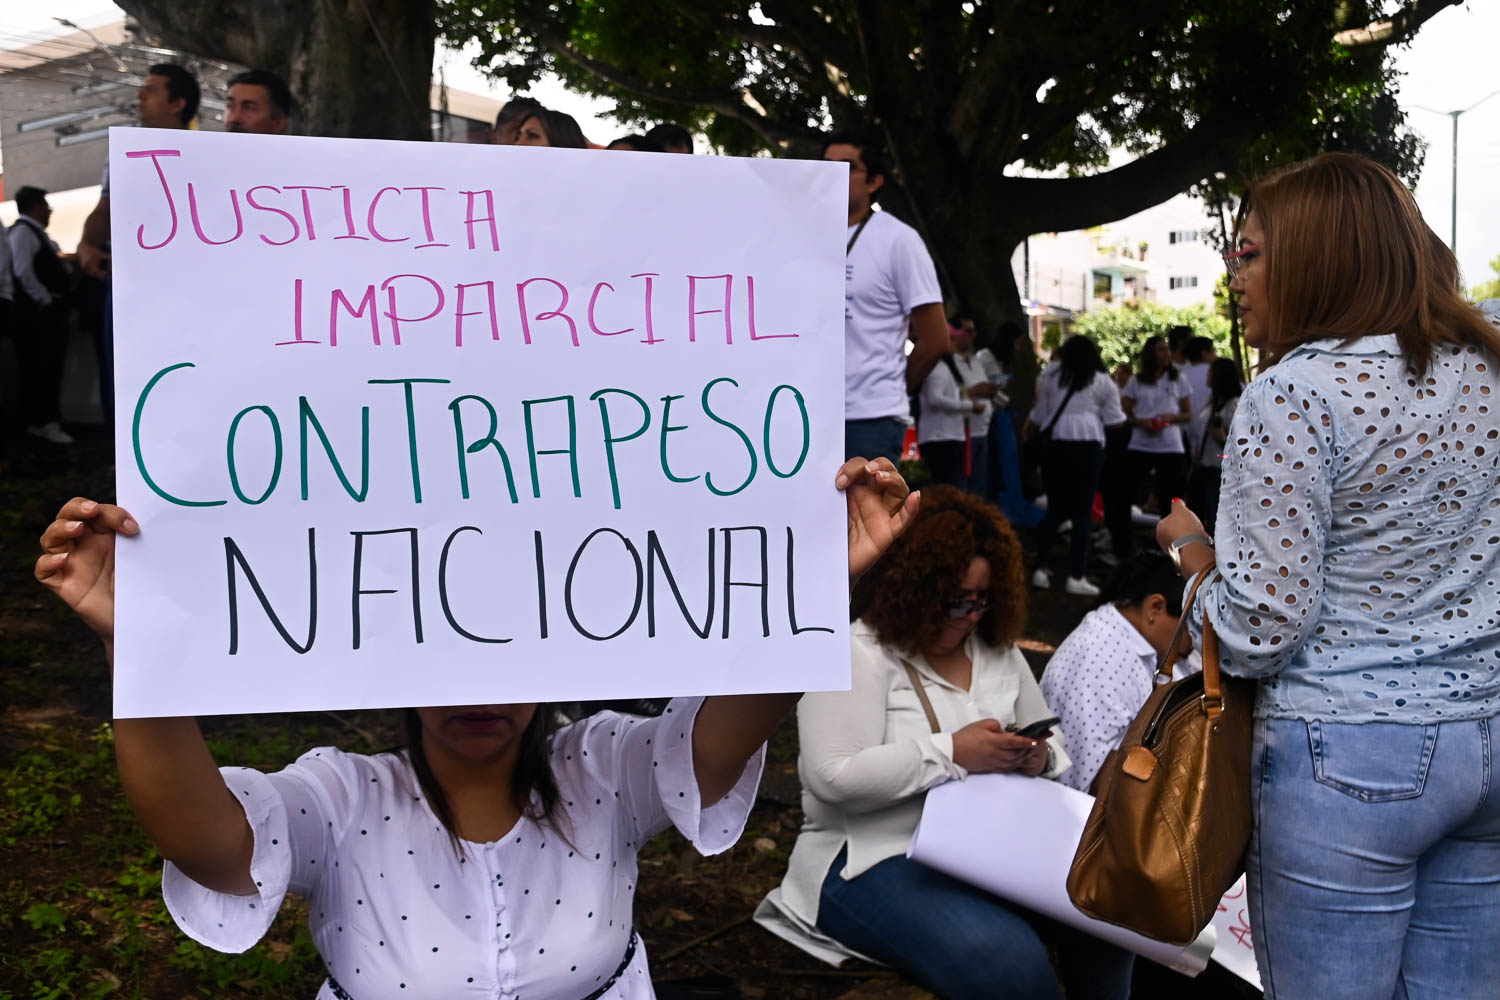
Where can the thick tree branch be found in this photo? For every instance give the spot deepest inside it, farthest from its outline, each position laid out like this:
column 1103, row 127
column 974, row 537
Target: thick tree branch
column 1045, row 204
column 772, row 131
column 1394, row 29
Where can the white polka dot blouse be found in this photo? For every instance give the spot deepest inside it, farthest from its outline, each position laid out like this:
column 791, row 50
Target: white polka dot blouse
column 396, row 912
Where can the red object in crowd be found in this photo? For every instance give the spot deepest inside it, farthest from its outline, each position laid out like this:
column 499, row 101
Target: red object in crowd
column 909, row 450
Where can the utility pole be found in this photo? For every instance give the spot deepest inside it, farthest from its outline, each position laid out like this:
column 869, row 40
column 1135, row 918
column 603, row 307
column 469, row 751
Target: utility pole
column 1455, row 115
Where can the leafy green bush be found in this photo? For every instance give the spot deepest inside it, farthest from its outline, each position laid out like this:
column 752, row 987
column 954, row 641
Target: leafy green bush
column 1120, row 332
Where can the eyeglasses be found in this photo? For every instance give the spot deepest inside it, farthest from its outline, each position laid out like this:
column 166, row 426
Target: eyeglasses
column 1241, row 259
column 965, row 606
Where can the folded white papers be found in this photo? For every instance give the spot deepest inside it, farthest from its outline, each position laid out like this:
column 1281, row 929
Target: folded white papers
column 1015, row 837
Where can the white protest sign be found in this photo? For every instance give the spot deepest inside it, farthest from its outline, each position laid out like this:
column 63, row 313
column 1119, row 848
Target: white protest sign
column 1235, row 949
column 421, row 424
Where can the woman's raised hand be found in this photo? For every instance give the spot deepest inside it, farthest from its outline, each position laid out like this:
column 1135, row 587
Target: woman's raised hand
column 78, row 560
column 880, row 508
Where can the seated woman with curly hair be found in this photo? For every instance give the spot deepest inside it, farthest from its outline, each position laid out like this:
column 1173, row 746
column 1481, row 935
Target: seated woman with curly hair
column 936, row 681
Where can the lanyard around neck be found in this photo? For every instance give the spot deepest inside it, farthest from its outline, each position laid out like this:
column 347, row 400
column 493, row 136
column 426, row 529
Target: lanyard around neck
column 859, row 229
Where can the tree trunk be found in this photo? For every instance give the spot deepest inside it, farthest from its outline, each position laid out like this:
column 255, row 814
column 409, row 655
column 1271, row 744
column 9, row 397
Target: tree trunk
column 358, row 68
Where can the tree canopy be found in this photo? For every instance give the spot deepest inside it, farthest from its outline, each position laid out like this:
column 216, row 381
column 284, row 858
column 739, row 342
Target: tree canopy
column 1002, row 118
column 1488, row 289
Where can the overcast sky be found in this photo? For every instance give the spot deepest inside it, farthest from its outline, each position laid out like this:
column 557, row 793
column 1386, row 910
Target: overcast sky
column 1450, row 66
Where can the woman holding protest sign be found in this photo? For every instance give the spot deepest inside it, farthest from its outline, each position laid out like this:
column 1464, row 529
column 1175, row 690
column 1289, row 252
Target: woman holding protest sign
column 492, row 856
column 939, row 691
column 1360, row 561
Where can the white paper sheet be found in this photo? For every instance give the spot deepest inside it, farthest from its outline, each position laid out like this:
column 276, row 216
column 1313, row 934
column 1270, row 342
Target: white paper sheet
column 274, row 296
column 1015, row 837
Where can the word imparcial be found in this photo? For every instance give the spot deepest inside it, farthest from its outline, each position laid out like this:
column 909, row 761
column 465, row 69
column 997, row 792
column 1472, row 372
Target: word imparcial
column 549, row 428
column 744, row 565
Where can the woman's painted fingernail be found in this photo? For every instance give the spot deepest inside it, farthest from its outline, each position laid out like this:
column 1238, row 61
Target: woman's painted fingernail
column 87, row 506
column 130, row 524
column 842, row 480
column 1177, row 499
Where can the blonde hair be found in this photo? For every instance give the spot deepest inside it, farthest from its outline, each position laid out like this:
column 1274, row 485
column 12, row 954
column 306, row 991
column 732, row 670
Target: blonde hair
column 1348, row 255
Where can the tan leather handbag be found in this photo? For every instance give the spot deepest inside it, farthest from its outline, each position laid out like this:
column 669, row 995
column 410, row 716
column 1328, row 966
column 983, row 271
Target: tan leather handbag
column 1171, row 818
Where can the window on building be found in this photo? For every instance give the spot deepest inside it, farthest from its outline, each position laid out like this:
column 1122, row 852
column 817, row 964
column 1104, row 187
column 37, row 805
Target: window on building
column 1183, row 281
column 1183, row 236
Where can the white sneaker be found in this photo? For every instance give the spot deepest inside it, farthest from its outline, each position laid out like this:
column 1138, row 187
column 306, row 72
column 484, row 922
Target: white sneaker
column 1108, row 559
column 1080, row 587
column 1065, row 527
column 1042, row 579
column 50, row 432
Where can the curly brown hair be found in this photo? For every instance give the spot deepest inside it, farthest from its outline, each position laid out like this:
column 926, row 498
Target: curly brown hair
column 904, row 597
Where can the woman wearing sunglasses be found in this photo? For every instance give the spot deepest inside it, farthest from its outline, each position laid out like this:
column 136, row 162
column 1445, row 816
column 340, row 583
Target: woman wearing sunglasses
column 1359, row 541
column 938, row 684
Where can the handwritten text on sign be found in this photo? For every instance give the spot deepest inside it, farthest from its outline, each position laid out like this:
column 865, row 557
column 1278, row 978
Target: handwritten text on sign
column 413, row 424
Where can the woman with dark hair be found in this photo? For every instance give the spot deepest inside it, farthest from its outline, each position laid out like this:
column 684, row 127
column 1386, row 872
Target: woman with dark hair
column 1103, row 672
column 1157, row 402
column 546, row 127
column 1075, row 401
column 1361, row 585
column 490, row 857
column 1224, row 387
column 937, row 683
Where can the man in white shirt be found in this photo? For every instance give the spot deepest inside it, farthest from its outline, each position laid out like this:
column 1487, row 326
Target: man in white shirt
column 41, row 328
column 891, row 293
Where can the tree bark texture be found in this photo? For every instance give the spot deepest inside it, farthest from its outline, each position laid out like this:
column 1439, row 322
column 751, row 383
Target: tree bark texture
column 358, row 68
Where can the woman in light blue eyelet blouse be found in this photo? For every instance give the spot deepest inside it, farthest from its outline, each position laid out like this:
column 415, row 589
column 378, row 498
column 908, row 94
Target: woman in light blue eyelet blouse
column 1359, row 540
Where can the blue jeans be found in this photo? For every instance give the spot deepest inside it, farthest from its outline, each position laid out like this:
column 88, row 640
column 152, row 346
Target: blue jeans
column 1374, row 869
column 961, row 942
column 874, row 438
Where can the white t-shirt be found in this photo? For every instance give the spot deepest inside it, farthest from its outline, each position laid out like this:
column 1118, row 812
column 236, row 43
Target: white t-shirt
column 887, row 274
column 1197, row 383
column 1163, row 398
column 1090, row 410
column 1213, row 454
column 395, row 912
column 946, row 410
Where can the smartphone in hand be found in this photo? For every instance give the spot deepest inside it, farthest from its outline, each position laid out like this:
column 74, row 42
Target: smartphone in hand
column 1034, row 729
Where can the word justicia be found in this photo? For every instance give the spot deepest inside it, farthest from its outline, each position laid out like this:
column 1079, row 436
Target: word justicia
column 423, row 215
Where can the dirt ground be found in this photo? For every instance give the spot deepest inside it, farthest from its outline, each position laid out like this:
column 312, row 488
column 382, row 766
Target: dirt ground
column 80, row 908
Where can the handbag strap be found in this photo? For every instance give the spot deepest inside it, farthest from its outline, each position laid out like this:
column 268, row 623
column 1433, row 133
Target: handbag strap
column 917, row 686
column 1057, row 414
column 1213, row 683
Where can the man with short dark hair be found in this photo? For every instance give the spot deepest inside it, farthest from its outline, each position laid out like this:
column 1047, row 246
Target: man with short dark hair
column 891, row 294
column 259, row 102
column 167, row 99
column 672, row 138
column 508, row 121
column 41, row 286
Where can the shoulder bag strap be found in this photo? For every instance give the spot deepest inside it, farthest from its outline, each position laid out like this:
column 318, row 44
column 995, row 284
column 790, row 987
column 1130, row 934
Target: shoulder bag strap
column 916, row 685
column 1058, row 413
column 1203, row 441
column 1210, row 641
